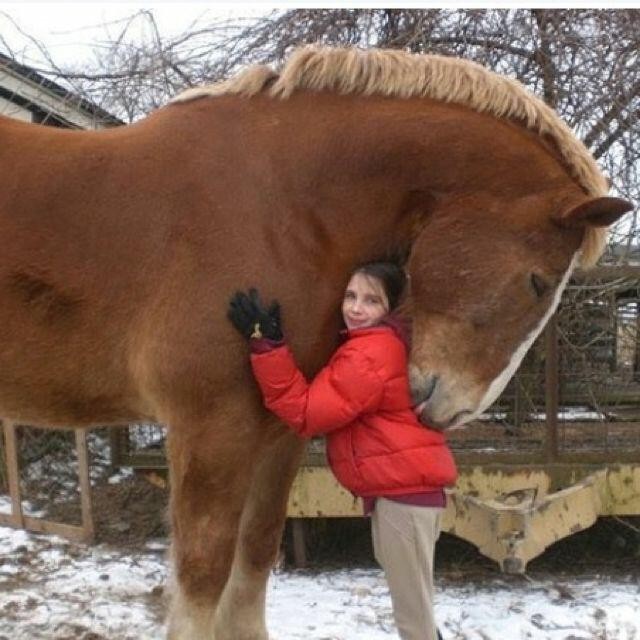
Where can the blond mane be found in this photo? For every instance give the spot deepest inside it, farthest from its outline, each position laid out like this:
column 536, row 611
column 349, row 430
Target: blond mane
column 396, row 73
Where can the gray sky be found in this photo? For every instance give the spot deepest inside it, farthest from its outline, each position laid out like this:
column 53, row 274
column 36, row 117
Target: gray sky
column 70, row 29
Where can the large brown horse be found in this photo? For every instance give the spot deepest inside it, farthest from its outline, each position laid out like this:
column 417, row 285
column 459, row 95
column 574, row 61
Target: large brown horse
column 120, row 250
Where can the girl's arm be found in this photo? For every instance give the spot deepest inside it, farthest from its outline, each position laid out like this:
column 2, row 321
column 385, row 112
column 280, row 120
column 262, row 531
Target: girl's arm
column 346, row 388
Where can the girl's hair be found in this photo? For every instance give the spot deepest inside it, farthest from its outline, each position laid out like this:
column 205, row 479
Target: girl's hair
column 392, row 277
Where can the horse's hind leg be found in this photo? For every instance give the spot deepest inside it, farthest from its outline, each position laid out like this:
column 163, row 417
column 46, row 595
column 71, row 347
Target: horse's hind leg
column 241, row 612
column 210, row 477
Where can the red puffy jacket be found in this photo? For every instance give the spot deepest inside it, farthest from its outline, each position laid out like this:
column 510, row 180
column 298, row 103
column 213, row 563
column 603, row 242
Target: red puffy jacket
column 361, row 400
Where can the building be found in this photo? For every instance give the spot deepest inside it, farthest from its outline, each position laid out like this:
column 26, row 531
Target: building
column 27, row 95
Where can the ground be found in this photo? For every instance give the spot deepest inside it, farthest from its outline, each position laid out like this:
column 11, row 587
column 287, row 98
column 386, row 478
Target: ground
column 51, row 589
column 586, row 587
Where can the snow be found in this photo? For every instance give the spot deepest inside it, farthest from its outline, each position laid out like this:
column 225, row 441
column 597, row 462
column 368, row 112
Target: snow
column 576, row 413
column 54, row 589
column 567, row 414
column 27, row 508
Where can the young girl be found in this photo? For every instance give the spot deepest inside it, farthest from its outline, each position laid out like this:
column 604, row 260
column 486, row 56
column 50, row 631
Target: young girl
column 376, row 446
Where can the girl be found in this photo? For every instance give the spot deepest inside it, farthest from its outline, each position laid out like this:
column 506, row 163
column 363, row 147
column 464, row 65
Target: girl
column 376, row 446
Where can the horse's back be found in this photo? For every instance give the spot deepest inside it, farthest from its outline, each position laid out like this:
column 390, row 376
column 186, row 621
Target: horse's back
column 98, row 233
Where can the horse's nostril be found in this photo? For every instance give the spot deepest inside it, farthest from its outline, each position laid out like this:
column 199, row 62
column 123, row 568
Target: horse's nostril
column 431, row 387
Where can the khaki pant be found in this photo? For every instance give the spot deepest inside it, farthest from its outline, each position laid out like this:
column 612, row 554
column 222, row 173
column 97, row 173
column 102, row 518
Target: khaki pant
column 404, row 540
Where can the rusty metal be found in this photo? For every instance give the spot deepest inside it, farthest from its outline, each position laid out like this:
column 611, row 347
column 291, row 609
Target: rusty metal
column 511, row 513
column 315, row 493
column 515, row 527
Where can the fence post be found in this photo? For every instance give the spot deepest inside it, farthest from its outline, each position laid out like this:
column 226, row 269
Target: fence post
column 84, row 477
column 552, row 391
column 13, row 472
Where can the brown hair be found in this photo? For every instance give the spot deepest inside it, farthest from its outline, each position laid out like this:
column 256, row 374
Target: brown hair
column 391, row 275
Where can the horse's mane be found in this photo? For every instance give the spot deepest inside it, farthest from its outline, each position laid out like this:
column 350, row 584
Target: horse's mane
column 397, row 73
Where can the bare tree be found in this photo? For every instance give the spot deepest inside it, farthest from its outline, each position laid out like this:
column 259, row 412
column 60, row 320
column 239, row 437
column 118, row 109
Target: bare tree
column 583, row 62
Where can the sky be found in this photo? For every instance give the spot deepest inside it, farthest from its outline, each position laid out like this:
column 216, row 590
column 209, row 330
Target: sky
column 69, row 28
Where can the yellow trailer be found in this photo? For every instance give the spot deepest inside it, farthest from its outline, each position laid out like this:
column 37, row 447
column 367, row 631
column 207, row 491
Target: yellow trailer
column 511, row 513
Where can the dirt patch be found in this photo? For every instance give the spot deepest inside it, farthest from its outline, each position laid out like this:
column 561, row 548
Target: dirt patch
column 127, row 513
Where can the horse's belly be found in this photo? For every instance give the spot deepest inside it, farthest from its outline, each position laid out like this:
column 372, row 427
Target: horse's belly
column 51, row 404
column 60, row 380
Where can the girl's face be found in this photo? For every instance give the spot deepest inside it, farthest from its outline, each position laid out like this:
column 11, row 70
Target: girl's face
column 365, row 302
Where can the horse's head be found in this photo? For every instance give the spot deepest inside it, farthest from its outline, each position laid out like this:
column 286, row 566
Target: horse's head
column 483, row 288
column 495, row 196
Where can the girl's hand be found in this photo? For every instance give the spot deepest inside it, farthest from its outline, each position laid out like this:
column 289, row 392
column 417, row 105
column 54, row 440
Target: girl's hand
column 252, row 318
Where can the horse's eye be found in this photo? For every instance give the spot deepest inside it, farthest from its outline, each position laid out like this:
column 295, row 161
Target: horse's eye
column 539, row 285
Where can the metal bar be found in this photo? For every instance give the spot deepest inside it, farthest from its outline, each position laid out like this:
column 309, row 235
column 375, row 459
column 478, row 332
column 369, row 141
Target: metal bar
column 115, row 441
column 71, row 532
column 13, row 472
column 527, row 458
column 299, row 543
column 552, row 399
column 606, row 273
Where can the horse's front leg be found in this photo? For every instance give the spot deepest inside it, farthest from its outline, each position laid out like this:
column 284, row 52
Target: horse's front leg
column 211, row 466
column 241, row 612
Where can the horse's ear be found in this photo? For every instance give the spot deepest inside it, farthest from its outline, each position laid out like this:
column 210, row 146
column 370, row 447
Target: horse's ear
column 597, row 212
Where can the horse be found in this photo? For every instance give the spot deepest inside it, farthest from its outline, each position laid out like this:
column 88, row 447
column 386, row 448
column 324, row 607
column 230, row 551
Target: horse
column 121, row 249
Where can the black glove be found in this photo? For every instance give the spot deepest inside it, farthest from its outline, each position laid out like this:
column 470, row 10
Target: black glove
column 252, row 318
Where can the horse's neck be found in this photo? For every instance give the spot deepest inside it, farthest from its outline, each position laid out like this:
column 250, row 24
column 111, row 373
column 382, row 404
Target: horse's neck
column 366, row 169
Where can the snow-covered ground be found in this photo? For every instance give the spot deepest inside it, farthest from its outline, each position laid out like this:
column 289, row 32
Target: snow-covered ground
column 53, row 589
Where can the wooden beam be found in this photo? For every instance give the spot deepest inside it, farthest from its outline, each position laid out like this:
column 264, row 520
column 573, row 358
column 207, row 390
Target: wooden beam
column 69, row 531
column 18, row 520
column 85, row 485
column 13, row 473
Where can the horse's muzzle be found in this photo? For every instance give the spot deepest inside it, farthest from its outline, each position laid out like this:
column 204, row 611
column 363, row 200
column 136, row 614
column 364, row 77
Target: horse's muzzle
column 422, row 387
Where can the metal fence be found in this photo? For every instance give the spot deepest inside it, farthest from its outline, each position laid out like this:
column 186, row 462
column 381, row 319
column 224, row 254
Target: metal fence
column 576, row 396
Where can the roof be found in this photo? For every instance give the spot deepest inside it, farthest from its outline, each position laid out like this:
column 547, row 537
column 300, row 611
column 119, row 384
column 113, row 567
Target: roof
column 27, row 87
